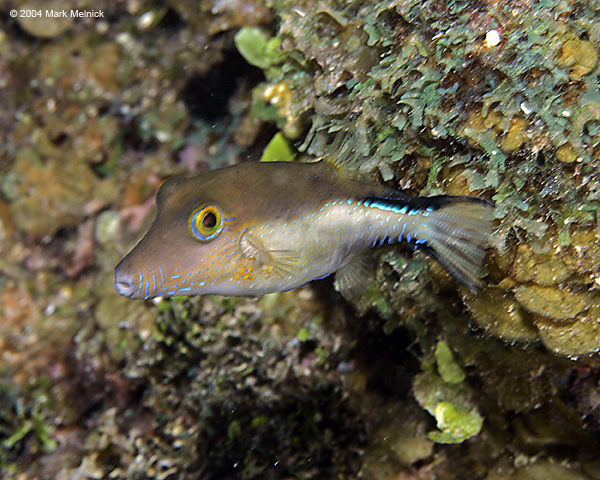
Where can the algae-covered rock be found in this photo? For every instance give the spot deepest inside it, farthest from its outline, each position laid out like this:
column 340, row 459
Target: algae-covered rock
column 566, row 154
column 518, row 380
column 537, row 469
column 579, row 56
column 250, row 392
column 554, row 302
column 545, row 269
column 124, row 326
column 585, row 243
column 498, row 312
column 574, row 337
column 515, row 136
column 399, row 440
column 48, row 194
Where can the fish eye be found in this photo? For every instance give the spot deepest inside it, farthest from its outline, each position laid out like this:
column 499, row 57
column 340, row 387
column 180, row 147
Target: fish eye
column 206, row 223
column 209, row 220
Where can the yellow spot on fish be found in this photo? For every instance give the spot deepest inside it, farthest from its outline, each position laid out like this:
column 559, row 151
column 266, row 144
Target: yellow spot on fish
column 267, row 269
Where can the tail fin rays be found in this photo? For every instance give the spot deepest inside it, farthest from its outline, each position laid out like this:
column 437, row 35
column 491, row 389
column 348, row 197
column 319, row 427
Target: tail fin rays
column 457, row 233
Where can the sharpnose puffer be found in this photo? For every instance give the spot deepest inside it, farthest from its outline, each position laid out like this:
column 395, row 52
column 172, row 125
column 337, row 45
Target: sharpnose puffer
column 259, row 228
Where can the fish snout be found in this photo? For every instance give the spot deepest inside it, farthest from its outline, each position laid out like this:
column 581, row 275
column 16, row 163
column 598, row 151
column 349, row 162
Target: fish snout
column 125, row 284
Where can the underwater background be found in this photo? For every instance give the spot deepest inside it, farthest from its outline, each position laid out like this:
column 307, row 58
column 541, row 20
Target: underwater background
column 418, row 379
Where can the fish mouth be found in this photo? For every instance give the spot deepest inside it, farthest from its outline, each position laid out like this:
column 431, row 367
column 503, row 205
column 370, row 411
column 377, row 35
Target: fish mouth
column 124, row 284
column 124, row 287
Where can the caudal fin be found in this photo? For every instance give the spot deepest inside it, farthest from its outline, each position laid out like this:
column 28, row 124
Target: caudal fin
column 457, row 231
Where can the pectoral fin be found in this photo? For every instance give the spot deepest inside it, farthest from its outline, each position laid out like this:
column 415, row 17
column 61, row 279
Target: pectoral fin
column 280, row 262
column 352, row 278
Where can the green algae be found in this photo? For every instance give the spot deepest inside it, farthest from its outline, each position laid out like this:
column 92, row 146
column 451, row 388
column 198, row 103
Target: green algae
column 449, row 370
column 456, row 416
column 277, row 150
column 456, row 423
column 32, row 424
column 256, row 48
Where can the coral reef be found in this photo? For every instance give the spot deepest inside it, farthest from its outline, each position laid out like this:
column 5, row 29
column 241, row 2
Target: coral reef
column 419, row 378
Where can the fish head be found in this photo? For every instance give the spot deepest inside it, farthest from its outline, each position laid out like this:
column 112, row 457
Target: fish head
column 193, row 235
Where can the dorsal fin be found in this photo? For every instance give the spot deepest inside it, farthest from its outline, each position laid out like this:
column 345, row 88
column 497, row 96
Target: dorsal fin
column 345, row 153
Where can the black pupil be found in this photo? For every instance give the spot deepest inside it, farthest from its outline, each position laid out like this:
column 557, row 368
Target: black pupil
column 209, row 220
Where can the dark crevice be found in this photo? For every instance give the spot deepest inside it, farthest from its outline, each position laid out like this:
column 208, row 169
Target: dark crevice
column 207, row 96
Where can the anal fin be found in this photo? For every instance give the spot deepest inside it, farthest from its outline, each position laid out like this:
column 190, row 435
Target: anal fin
column 351, row 279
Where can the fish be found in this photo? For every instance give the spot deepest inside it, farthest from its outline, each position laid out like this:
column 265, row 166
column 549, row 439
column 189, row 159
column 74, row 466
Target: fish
column 258, row 228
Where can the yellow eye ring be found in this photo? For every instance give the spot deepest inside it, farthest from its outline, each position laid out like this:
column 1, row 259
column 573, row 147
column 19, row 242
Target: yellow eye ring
column 206, row 223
